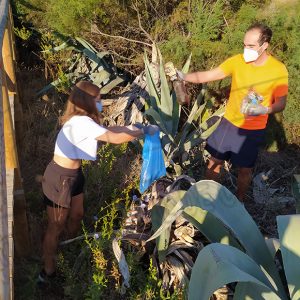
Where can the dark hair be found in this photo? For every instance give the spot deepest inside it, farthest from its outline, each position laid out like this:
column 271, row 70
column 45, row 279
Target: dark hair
column 265, row 32
column 81, row 102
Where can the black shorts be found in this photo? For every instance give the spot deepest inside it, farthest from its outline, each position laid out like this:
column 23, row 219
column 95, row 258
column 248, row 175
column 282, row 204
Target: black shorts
column 61, row 184
column 237, row 145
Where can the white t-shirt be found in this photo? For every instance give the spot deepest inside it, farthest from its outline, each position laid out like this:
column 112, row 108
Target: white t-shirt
column 77, row 138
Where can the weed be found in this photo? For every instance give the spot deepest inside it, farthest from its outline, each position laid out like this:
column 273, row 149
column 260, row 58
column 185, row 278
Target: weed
column 27, row 287
column 23, row 33
column 150, row 288
column 64, row 81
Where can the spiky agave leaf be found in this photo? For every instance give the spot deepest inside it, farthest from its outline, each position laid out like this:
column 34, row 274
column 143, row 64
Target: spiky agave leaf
column 218, row 201
column 288, row 226
column 67, row 45
column 296, row 191
column 176, row 107
column 194, row 115
column 101, row 71
column 94, row 56
column 217, row 265
column 151, row 84
column 203, row 220
column 251, row 291
column 288, row 229
column 186, row 66
column 160, row 122
column 273, row 245
column 158, row 214
column 112, row 84
column 166, row 104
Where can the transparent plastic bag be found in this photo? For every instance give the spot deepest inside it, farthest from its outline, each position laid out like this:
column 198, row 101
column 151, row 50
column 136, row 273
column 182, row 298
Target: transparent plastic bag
column 252, row 99
column 153, row 161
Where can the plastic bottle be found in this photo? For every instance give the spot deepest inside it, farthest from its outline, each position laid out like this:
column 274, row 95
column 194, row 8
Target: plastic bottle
column 181, row 93
column 178, row 84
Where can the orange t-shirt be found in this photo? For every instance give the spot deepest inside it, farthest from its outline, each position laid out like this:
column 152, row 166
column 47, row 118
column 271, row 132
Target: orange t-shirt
column 269, row 81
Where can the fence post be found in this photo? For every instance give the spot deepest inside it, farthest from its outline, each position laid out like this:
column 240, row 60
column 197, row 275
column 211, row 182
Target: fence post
column 4, row 257
column 5, row 284
column 20, row 228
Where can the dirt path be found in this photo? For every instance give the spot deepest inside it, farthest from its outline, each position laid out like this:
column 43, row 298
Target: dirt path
column 36, row 150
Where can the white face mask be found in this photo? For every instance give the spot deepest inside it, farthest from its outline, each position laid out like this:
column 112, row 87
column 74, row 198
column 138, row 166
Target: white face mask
column 250, row 54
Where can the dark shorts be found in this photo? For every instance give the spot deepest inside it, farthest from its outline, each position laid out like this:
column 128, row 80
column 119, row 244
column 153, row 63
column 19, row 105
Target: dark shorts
column 237, row 145
column 61, row 184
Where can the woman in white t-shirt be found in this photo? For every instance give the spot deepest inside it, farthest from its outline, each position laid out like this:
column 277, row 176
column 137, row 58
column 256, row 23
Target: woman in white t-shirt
column 63, row 179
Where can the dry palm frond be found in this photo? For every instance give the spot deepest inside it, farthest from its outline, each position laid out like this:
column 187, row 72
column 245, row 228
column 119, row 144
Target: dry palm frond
column 123, row 267
column 179, row 245
column 184, row 240
column 185, row 257
column 182, row 182
column 185, row 233
column 177, row 268
column 223, row 293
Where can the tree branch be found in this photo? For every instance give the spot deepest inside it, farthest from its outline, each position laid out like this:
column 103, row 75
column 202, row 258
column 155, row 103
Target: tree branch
column 95, row 29
column 140, row 24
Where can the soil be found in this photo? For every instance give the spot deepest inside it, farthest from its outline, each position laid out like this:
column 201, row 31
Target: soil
column 35, row 145
column 36, row 149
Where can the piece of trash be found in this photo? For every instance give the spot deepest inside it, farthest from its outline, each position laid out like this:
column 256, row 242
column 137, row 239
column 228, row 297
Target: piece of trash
column 143, row 205
column 96, row 236
column 132, row 213
column 146, row 198
column 153, row 166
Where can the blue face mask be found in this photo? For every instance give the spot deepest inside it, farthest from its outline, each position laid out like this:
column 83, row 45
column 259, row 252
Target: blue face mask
column 99, row 106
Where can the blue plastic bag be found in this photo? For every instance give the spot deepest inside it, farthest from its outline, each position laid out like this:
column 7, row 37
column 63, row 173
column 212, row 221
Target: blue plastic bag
column 153, row 162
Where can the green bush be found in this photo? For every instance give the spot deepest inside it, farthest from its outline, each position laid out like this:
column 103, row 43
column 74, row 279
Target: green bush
column 211, row 30
column 70, row 17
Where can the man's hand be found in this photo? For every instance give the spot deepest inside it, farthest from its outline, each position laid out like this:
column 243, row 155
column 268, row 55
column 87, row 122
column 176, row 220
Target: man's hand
column 180, row 75
column 251, row 109
column 172, row 72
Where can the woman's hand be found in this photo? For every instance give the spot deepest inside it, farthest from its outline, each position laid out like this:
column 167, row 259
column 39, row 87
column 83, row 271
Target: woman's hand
column 147, row 129
column 151, row 129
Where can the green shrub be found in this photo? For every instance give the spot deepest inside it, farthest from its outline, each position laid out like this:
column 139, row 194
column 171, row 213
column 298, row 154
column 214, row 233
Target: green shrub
column 70, row 17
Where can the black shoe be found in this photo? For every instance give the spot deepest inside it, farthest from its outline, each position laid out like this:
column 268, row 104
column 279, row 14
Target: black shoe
column 44, row 278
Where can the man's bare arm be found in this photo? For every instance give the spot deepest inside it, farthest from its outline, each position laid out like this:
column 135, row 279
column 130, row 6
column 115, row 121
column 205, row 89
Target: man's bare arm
column 278, row 105
column 205, row 76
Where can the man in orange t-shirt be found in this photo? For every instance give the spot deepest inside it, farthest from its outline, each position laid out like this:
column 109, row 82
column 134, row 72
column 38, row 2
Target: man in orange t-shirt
column 259, row 87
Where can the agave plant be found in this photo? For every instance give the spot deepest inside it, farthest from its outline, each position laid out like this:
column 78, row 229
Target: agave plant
column 164, row 111
column 238, row 253
column 86, row 63
column 296, row 191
